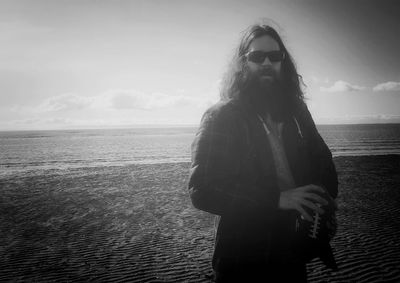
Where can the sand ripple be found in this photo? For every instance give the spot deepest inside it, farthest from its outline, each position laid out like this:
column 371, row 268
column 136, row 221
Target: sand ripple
column 136, row 224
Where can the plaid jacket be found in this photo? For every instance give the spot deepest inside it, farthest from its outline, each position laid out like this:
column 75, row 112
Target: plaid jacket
column 233, row 175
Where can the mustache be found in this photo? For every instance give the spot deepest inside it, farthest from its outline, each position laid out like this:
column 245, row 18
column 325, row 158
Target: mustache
column 267, row 72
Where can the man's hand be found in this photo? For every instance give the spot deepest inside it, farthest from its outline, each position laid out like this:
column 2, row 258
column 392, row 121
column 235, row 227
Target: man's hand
column 305, row 196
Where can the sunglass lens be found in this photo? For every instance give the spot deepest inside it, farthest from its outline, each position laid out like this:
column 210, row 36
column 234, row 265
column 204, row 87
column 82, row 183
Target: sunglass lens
column 275, row 56
column 257, row 56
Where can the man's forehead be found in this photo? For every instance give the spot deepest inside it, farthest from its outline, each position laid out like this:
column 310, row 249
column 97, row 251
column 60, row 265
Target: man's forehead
column 265, row 43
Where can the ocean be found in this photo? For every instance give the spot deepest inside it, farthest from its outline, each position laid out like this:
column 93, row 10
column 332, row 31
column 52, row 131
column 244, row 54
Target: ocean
column 26, row 152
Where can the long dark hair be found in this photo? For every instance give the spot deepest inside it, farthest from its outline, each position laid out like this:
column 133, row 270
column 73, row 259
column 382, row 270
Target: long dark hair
column 236, row 79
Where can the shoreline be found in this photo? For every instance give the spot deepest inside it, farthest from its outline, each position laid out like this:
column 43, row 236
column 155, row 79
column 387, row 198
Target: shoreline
column 146, row 164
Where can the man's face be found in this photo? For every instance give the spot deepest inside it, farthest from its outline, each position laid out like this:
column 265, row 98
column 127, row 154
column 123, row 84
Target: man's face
column 265, row 73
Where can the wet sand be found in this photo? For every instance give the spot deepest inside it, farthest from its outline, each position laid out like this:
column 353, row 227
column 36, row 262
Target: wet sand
column 136, row 224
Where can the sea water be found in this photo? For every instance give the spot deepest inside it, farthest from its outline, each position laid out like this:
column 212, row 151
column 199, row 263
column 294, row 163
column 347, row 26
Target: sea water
column 24, row 151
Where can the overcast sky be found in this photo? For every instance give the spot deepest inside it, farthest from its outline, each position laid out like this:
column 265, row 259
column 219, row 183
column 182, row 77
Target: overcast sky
column 72, row 64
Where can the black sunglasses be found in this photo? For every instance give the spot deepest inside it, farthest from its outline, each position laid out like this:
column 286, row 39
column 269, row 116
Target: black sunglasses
column 259, row 56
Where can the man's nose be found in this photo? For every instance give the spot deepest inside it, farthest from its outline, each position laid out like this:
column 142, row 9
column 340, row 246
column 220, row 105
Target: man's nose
column 266, row 61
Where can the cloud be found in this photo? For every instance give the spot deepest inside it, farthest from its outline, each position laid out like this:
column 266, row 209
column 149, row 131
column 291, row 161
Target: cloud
column 119, row 100
column 126, row 99
column 342, row 86
column 315, row 79
column 64, row 102
column 388, row 86
column 131, row 99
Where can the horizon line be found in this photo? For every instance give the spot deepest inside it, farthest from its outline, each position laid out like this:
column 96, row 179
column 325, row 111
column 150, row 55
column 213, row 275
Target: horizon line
column 166, row 126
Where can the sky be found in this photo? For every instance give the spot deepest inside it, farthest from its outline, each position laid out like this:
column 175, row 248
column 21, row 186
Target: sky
column 99, row 64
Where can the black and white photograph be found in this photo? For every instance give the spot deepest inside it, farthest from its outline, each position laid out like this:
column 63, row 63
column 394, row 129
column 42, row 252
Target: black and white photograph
column 200, row 141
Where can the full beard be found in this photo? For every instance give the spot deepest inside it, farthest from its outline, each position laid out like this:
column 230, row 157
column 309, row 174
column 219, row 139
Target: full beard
column 269, row 95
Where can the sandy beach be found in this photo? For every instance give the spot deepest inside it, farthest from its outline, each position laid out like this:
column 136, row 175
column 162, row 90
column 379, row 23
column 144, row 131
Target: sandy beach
column 136, row 223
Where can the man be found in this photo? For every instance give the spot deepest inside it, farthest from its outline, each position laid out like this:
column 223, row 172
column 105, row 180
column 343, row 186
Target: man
column 258, row 162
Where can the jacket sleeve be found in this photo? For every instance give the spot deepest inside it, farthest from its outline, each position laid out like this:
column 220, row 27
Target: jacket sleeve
column 323, row 168
column 214, row 182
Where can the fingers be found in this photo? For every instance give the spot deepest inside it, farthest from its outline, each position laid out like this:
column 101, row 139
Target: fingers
column 305, row 197
column 312, row 206
column 316, row 198
column 314, row 188
column 323, row 191
column 304, row 213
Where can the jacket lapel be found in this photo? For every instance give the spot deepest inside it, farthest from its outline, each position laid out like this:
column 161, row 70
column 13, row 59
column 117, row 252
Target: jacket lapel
column 262, row 148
